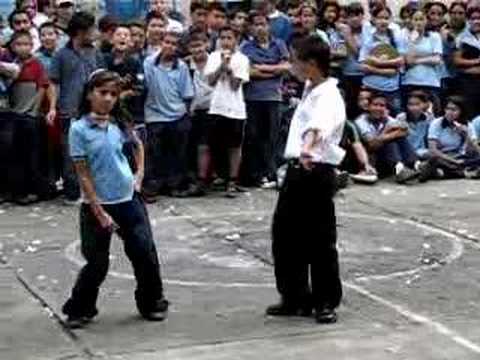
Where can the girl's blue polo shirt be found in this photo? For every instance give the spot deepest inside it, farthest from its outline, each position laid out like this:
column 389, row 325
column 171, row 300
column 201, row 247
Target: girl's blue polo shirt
column 102, row 149
column 380, row 82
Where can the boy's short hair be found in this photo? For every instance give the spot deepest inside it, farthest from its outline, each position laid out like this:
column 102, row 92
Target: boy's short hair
column 216, row 6
column 152, row 15
column 45, row 25
column 378, row 95
column 19, row 34
column 355, row 8
column 198, row 4
column 472, row 9
column 197, row 35
column 12, row 15
column 108, row 23
column 137, row 23
column 293, row 4
column 419, row 94
column 81, row 21
column 228, row 28
column 256, row 13
column 312, row 47
column 173, row 34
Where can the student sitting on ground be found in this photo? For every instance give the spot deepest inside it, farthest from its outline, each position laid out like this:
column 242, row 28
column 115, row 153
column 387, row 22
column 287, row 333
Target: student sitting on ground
column 453, row 154
column 417, row 120
column 386, row 141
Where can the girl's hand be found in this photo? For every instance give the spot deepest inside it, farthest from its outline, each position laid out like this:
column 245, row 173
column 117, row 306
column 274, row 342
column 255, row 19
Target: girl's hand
column 105, row 220
column 138, row 182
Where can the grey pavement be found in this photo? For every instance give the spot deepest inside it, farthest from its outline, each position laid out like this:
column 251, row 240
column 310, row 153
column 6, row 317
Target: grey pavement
column 409, row 259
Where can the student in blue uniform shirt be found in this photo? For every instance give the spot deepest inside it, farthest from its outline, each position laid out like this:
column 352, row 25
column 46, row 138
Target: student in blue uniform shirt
column 423, row 59
column 381, row 73
column 453, row 155
column 110, row 202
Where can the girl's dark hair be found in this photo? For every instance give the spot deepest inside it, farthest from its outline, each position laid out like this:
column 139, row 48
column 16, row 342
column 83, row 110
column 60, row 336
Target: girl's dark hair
column 462, row 105
column 329, row 3
column 375, row 12
column 97, row 79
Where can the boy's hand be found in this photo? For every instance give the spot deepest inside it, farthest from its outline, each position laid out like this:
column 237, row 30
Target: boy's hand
column 52, row 114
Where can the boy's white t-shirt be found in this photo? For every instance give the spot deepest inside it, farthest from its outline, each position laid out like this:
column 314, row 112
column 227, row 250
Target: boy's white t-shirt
column 225, row 101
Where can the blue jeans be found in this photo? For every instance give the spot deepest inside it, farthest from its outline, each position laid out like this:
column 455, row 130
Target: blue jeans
column 137, row 236
column 392, row 153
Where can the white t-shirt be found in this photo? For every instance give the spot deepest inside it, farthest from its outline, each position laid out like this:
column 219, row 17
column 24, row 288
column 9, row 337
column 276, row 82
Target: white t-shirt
column 174, row 26
column 225, row 101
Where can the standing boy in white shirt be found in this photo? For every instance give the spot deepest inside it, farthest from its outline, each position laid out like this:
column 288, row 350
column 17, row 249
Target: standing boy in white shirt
column 227, row 70
column 304, row 224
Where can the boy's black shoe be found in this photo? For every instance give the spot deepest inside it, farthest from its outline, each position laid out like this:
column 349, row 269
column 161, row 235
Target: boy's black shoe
column 77, row 322
column 326, row 316
column 158, row 312
column 285, row 309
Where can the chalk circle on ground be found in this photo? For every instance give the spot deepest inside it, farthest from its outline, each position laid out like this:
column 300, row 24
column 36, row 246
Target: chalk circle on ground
column 73, row 254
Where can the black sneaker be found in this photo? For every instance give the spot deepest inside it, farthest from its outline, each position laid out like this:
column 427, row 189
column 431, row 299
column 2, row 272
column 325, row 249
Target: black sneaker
column 159, row 311
column 426, row 171
column 232, row 190
column 284, row 309
column 77, row 322
column 326, row 316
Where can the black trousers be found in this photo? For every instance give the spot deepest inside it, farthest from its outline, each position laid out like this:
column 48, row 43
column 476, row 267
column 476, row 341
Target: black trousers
column 304, row 238
column 166, row 155
column 261, row 142
column 136, row 233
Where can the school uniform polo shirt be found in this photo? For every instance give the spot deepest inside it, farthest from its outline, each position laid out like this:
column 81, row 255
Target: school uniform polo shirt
column 380, row 82
column 275, row 53
column 369, row 129
column 417, row 132
column 101, row 147
column 423, row 74
column 71, row 69
column 168, row 90
column 448, row 140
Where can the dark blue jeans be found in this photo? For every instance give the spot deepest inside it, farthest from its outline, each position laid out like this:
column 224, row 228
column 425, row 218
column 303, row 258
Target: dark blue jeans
column 261, row 142
column 71, row 188
column 392, row 153
column 136, row 233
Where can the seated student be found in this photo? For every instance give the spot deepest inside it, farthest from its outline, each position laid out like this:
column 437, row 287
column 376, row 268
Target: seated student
column 453, row 153
column 356, row 161
column 386, row 141
column 417, row 120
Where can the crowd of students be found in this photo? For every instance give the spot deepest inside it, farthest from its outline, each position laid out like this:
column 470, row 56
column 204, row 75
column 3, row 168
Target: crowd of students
column 212, row 100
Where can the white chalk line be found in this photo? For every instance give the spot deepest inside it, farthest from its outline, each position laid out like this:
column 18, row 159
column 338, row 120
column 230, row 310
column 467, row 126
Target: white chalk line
column 454, row 254
column 438, row 327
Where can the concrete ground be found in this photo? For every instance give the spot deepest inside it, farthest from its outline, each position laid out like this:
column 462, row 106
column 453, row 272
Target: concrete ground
column 410, row 264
